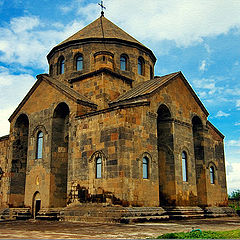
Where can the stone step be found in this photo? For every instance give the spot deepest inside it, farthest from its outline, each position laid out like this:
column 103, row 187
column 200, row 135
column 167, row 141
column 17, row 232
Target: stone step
column 146, row 218
column 49, row 214
column 15, row 214
column 186, row 216
column 99, row 213
column 219, row 212
column 182, row 212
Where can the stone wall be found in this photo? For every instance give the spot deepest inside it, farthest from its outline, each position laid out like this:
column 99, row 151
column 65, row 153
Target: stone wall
column 101, row 89
column 4, row 173
column 40, row 173
column 121, row 138
column 216, row 192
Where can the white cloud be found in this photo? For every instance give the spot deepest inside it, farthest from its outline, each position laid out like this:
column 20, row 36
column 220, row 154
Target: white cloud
column 4, row 123
column 66, row 9
column 207, row 48
column 23, row 24
column 13, row 88
column 207, row 84
column 26, row 41
column 222, row 114
column 235, row 91
column 203, row 66
column 237, row 124
column 233, row 143
column 7, row 79
column 233, row 176
column 185, row 22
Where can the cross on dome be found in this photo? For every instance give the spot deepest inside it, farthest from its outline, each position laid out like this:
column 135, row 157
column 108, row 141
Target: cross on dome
column 102, row 6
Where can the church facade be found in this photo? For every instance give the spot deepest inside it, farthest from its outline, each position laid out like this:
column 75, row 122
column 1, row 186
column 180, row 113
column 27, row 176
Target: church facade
column 101, row 128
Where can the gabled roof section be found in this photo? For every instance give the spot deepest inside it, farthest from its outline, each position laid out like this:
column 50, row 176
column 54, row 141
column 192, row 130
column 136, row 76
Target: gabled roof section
column 145, row 89
column 215, row 129
column 101, row 28
column 3, row 138
column 67, row 91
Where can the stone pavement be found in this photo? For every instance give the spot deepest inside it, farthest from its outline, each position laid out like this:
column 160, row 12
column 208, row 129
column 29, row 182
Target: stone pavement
column 72, row 230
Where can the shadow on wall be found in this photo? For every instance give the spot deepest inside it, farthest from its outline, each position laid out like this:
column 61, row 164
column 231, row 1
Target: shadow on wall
column 82, row 195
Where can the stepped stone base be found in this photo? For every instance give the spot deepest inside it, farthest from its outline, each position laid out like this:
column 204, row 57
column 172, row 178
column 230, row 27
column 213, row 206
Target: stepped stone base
column 15, row 214
column 99, row 213
column 182, row 212
column 103, row 214
column 219, row 212
column 49, row 214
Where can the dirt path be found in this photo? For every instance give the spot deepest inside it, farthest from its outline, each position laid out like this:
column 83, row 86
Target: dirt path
column 72, row 230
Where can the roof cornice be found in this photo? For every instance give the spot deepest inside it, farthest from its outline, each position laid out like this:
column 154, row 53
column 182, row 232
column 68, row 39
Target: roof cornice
column 3, row 138
column 102, row 70
column 215, row 129
column 114, row 108
column 100, row 40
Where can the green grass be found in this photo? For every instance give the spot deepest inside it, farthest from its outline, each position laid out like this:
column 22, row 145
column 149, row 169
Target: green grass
column 233, row 234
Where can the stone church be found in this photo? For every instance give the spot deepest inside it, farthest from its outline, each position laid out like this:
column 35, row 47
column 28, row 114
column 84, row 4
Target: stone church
column 101, row 130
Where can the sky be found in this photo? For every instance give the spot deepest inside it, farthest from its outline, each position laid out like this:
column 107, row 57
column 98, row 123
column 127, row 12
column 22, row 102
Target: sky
column 198, row 37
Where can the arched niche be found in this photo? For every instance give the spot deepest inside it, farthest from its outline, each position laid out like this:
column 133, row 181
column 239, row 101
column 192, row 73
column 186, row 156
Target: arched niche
column 59, row 160
column 198, row 142
column 164, row 126
column 165, row 156
column 19, row 160
column 197, row 129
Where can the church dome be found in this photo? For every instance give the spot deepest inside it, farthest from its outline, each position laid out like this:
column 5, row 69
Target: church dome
column 101, row 44
column 101, row 29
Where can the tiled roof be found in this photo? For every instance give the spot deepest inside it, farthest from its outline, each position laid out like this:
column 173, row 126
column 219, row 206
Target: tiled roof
column 144, row 88
column 101, row 28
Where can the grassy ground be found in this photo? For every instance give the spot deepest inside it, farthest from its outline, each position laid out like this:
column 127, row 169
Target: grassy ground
column 198, row 234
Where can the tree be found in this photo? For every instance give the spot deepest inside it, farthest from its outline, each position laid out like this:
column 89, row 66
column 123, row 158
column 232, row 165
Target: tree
column 234, row 195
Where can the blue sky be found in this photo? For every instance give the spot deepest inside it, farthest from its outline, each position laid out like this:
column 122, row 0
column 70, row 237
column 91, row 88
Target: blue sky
column 198, row 37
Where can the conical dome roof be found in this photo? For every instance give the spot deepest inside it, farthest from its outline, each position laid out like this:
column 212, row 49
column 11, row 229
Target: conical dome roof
column 101, row 28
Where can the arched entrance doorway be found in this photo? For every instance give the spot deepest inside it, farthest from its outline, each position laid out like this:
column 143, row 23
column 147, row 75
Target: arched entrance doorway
column 36, row 205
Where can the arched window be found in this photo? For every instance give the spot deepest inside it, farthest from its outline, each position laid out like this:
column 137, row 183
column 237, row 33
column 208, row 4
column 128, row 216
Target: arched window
column 184, row 166
column 79, row 63
column 140, row 66
column 145, row 163
column 151, row 73
column 123, row 63
column 1, row 173
column 39, row 145
column 212, row 175
column 51, row 70
column 99, row 168
column 61, row 65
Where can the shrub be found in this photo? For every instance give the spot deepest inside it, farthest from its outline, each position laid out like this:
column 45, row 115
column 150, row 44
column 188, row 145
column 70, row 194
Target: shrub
column 234, row 234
